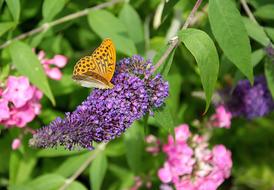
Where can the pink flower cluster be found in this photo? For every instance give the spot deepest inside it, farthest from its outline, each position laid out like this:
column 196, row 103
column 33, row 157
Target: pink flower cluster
column 191, row 165
column 19, row 102
column 153, row 145
column 52, row 66
column 222, row 117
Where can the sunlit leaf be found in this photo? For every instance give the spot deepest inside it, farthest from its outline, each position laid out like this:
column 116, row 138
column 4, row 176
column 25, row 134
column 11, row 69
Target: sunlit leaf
column 204, row 51
column 229, row 30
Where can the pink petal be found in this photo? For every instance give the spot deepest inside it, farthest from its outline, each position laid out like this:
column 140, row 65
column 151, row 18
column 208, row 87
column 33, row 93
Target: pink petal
column 59, row 60
column 4, row 110
column 182, row 132
column 41, row 55
column 54, row 73
column 164, row 174
column 16, row 143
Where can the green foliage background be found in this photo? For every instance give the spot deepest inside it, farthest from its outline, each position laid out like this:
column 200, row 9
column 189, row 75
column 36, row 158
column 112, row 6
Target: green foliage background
column 224, row 47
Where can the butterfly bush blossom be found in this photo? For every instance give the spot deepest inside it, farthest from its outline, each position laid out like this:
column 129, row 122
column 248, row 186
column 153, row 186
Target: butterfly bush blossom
column 191, row 165
column 106, row 114
column 249, row 101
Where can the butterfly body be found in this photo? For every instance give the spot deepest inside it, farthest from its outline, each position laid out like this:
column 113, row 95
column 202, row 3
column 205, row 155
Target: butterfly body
column 97, row 70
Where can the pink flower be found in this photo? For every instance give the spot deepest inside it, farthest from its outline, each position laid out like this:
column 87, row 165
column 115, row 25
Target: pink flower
column 58, row 60
column 165, row 173
column 191, row 165
column 185, row 184
column 138, row 183
column 205, row 184
column 4, row 110
column 182, row 132
column 20, row 102
column 16, row 143
column 153, row 144
column 222, row 159
column 222, row 117
column 18, row 91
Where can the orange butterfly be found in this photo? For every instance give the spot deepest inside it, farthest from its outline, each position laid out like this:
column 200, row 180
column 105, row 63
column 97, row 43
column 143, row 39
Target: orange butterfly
column 97, row 70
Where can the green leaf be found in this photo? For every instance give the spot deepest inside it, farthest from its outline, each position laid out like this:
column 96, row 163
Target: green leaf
column 265, row 12
column 256, row 32
column 45, row 182
column 270, row 33
column 1, row 4
column 168, row 8
column 115, row 148
column 51, row 8
column 165, row 67
column 14, row 7
column 59, row 151
column 71, row 164
column 257, row 56
column 20, row 168
column 164, row 119
column 269, row 73
column 130, row 17
column 28, row 64
column 76, row 186
column 106, row 25
column 134, row 140
column 6, row 26
column 230, row 33
column 204, row 51
column 98, row 170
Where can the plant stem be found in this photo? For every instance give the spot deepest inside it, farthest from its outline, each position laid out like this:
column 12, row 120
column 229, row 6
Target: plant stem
column 192, row 13
column 78, row 172
column 48, row 25
column 248, row 11
column 175, row 41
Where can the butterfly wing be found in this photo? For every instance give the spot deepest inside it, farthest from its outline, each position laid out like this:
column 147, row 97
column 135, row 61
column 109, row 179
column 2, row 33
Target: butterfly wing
column 105, row 59
column 97, row 68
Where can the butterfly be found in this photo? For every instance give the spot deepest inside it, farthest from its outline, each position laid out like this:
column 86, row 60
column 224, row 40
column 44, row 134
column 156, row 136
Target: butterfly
column 97, row 69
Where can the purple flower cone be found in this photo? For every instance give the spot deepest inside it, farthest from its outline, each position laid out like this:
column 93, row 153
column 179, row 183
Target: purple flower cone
column 106, row 114
column 250, row 101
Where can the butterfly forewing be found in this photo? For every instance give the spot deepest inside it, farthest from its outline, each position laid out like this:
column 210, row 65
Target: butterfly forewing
column 100, row 66
column 105, row 59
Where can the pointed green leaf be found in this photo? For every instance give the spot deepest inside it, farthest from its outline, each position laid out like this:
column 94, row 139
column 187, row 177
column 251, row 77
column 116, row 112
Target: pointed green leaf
column 98, row 170
column 256, row 32
column 14, row 7
column 269, row 73
column 71, row 164
column 28, row 64
column 168, row 8
column 204, row 51
column 5, row 26
column 130, row 17
column 229, row 30
column 265, row 12
column 257, row 56
column 106, row 25
column 134, row 140
column 51, row 8
column 164, row 118
column 270, row 32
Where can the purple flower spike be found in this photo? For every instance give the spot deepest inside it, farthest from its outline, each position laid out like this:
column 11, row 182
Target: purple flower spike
column 250, row 101
column 106, row 114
